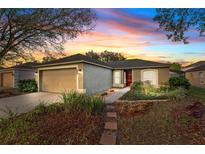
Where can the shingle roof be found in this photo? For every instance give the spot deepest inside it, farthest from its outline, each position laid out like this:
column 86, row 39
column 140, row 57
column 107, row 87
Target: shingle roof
column 73, row 58
column 26, row 65
column 195, row 64
column 136, row 63
column 198, row 68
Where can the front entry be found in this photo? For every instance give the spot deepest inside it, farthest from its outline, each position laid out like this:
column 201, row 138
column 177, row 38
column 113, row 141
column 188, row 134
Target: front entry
column 128, row 77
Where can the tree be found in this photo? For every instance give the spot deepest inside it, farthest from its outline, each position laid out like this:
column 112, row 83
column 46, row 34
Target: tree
column 175, row 66
column 106, row 56
column 93, row 55
column 177, row 23
column 50, row 56
column 26, row 30
column 47, row 59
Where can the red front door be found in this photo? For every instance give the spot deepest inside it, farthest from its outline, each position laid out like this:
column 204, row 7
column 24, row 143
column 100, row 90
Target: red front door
column 128, row 77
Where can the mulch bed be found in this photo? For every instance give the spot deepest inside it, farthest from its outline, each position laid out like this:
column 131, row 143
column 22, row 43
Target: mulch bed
column 190, row 122
column 133, row 109
column 76, row 128
column 186, row 120
column 61, row 128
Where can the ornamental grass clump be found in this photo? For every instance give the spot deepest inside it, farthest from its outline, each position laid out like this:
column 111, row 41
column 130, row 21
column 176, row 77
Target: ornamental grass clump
column 177, row 94
column 76, row 102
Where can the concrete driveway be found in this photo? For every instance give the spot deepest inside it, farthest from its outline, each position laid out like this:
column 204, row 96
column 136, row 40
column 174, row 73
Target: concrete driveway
column 24, row 103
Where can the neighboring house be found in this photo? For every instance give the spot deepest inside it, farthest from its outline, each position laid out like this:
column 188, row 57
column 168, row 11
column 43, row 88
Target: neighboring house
column 176, row 73
column 9, row 77
column 196, row 75
column 199, row 63
column 86, row 75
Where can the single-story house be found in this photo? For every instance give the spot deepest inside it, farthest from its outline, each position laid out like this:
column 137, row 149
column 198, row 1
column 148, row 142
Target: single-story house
column 84, row 74
column 196, row 75
column 9, row 77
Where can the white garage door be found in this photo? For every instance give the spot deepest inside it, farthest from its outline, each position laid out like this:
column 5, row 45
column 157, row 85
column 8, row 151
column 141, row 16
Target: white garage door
column 150, row 75
column 59, row 80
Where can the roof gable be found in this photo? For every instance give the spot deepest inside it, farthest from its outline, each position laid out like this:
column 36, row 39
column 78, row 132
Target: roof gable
column 75, row 58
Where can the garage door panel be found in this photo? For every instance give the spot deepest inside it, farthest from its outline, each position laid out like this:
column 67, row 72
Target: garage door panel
column 7, row 80
column 59, row 80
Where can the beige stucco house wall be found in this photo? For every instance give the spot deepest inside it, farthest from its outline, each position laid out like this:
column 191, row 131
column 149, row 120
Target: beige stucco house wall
column 195, row 79
column 162, row 76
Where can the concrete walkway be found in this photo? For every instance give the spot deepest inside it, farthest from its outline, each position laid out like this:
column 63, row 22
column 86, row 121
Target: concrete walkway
column 115, row 96
column 24, row 103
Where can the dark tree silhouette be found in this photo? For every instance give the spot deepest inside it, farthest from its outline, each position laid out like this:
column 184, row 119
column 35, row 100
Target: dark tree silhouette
column 25, row 30
column 105, row 56
column 93, row 55
column 176, row 23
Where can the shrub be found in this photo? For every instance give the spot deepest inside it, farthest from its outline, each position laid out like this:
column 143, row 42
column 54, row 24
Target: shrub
column 143, row 87
column 164, row 88
column 137, row 86
column 177, row 94
column 76, row 102
column 176, row 82
column 40, row 108
column 28, row 85
column 148, row 88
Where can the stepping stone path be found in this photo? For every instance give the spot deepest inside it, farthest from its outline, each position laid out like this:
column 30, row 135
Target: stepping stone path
column 109, row 135
column 111, row 114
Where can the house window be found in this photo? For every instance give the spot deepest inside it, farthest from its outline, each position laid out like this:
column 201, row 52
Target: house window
column 201, row 76
column 117, row 77
column 149, row 75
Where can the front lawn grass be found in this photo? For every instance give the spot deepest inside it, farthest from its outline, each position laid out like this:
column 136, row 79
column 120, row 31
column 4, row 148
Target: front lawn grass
column 135, row 95
column 197, row 94
column 161, row 122
column 78, row 119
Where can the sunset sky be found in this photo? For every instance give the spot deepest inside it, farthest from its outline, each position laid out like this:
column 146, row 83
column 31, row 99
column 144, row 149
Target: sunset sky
column 133, row 33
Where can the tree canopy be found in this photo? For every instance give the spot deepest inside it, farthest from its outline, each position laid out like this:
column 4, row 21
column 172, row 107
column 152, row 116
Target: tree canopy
column 175, row 66
column 178, row 23
column 93, row 55
column 105, row 56
column 26, row 30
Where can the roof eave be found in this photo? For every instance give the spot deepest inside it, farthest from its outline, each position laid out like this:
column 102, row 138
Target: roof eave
column 141, row 67
column 78, row 61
